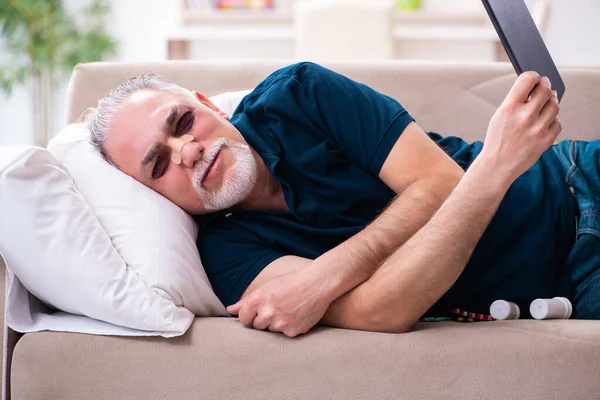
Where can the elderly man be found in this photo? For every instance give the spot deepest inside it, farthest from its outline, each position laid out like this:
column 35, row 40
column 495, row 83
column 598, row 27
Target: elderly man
column 322, row 201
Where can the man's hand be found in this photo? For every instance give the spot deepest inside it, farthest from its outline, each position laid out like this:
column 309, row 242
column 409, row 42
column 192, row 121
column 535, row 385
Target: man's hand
column 523, row 127
column 292, row 304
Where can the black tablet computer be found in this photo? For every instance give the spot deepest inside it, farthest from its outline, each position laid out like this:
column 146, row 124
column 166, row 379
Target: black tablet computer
column 522, row 40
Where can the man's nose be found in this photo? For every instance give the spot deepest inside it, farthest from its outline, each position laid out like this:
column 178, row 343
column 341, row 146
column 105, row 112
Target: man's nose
column 190, row 153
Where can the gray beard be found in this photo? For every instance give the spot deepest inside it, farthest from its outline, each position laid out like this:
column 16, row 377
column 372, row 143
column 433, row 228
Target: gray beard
column 238, row 181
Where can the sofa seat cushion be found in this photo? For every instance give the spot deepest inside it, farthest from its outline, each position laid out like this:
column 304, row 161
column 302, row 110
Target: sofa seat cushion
column 218, row 358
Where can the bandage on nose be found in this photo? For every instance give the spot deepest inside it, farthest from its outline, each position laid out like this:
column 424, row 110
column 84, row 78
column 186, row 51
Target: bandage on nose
column 176, row 145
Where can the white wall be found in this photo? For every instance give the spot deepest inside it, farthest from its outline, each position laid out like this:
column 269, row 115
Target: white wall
column 16, row 125
column 15, row 121
column 573, row 35
column 141, row 27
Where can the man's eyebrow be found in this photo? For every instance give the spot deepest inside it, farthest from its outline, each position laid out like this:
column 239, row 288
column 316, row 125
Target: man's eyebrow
column 157, row 147
column 151, row 155
column 171, row 117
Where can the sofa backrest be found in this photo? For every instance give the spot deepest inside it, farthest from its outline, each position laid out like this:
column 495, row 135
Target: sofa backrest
column 451, row 99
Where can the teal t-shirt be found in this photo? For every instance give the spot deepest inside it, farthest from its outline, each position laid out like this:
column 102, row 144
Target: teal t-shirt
column 325, row 138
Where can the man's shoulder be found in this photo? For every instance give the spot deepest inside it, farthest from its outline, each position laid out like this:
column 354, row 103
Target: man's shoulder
column 300, row 69
column 290, row 75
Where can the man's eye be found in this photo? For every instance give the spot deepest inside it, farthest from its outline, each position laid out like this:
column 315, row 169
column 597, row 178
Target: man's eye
column 160, row 167
column 185, row 123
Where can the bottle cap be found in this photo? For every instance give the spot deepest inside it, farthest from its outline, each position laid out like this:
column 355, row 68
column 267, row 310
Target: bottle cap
column 502, row 309
column 555, row 308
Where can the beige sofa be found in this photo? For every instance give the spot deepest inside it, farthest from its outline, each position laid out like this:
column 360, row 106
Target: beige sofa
column 220, row 359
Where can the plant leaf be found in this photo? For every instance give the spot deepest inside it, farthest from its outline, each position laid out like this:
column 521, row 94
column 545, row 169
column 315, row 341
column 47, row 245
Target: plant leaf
column 40, row 34
column 11, row 76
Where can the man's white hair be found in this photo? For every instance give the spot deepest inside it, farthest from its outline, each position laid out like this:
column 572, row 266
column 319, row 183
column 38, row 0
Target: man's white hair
column 98, row 119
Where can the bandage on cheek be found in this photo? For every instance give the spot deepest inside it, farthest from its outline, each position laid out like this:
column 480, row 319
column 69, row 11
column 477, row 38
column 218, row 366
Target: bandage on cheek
column 176, row 145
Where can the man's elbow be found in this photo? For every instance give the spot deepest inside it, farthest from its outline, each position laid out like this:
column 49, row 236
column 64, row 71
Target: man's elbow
column 378, row 318
column 382, row 321
column 356, row 312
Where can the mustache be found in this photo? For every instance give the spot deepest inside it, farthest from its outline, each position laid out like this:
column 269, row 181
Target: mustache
column 207, row 158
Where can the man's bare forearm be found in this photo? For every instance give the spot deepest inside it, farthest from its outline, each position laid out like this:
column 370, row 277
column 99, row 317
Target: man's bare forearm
column 355, row 260
column 427, row 265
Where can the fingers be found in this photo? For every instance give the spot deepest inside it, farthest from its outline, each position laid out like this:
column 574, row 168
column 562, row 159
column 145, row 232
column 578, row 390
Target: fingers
column 247, row 313
column 550, row 110
column 540, row 95
column 235, row 308
column 263, row 320
column 267, row 320
column 252, row 312
column 555, row 128
column 260, row 323
column 523, row 86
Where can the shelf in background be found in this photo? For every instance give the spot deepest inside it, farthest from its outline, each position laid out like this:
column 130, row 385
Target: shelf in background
column 467, row 33
column 285, row 16
column 443, row 32
column 193, row 17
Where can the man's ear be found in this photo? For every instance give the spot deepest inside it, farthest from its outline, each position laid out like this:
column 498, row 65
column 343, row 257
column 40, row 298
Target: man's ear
column 206, row 101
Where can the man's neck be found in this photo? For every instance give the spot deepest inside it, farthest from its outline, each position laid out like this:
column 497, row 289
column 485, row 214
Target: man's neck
column 267, row 194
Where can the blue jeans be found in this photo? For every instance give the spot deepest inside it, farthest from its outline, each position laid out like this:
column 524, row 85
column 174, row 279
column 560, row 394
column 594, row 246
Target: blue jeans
column 581, row 163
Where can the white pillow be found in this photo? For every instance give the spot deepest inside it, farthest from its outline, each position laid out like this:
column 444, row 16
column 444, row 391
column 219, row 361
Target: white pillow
column 156, row 238
column 229, row 101
column 52, row 241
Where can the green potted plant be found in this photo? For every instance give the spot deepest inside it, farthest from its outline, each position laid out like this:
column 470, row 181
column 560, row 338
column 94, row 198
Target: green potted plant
column 42, row 43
